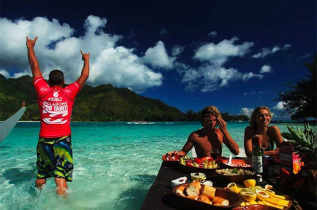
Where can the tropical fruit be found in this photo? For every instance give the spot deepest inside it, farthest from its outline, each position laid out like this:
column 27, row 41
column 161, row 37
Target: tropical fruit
column 262, row 195
column 270, row 192
column 249, row 196
column 268, row 187
column 243, row 190
column 249, row 182
column 233, row 187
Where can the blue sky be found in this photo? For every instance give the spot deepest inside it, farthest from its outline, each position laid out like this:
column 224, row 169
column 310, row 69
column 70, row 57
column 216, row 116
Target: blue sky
column 236, row 55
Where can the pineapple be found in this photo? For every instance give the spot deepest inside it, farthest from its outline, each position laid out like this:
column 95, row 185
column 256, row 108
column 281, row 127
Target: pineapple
column 304, row 141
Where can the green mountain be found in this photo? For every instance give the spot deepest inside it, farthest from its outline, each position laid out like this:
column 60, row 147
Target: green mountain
column 101, row 103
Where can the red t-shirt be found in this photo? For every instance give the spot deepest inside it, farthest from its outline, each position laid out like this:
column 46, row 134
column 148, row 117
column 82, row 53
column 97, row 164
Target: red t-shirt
column 55, row 104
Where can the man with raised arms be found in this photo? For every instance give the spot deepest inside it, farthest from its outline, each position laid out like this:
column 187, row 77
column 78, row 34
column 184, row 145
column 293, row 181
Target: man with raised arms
column 209, row 139
column 54, row 149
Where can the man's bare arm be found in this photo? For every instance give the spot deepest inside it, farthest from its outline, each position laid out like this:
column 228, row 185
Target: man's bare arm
column 34, row 64
column 228, row 140
column 85, row 71
column 186, row 148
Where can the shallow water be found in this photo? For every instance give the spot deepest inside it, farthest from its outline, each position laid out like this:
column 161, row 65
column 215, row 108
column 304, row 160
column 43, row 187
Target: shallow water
column 115, row 164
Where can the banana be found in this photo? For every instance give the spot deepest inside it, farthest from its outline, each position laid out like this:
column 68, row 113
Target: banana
column 270, row 204
column 276, row 202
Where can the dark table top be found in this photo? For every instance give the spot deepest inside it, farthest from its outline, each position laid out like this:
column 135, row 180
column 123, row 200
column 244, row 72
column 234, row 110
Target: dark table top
column 160, row 194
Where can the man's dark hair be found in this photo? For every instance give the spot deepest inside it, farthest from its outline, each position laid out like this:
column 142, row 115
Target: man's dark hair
column 56, row 77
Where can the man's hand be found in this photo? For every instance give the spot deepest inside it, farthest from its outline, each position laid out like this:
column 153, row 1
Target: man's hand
column 34, row 64
column 222, row 124
column 85, row 71
column 30, row 43
column 85, row 56
column 228, row 140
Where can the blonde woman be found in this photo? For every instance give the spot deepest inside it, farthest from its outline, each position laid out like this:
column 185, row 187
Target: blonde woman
column 259, row 133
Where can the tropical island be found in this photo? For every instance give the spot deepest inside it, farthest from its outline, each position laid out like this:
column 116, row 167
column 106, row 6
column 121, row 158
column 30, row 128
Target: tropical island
column 101, row 103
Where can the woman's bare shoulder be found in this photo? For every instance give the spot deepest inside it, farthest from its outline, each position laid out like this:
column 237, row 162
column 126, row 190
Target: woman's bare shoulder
column 273, row 128
column 249, row 129
column 249, row 132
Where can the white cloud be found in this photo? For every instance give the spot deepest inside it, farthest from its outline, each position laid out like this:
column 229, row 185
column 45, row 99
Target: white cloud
column 157, row 56
column 133, row 74
column 220, row 53
column 247, row 76
column 267, row 51
column 279, row 106
column 20, row 74
column 176, row 50
column 266, row 69
column 12, row 39
column 94, row 24
column 246, row 111
column 212, row 77
column 213, row 33
column 57, row 48
column 4, row 73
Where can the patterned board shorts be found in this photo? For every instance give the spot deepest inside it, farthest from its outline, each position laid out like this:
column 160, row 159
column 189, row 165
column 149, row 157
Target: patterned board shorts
column 55, row 158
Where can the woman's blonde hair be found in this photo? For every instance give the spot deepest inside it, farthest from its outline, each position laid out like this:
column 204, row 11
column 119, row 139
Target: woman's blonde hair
column 255, row 112
column 209, row 110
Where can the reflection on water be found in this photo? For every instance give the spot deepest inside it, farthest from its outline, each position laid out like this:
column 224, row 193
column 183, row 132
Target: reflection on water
column 18, row 175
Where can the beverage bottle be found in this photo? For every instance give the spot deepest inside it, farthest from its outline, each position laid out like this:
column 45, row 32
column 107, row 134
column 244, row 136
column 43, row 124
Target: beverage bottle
column 257, row 160
column 270, row 168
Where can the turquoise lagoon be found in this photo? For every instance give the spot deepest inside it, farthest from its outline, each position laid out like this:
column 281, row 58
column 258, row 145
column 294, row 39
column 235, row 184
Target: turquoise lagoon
column 115, row 163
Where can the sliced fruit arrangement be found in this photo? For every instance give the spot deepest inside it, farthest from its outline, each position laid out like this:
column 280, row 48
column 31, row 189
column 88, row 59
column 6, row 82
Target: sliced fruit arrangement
column 253, row 194
column 237, row 163
column 206, row 162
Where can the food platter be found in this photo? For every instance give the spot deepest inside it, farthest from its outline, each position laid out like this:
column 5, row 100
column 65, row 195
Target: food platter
column 233, row 198
column 204, row 165
column 237, row 175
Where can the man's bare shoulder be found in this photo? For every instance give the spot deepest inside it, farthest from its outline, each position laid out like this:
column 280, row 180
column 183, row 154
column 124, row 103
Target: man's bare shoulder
column 196, row 134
